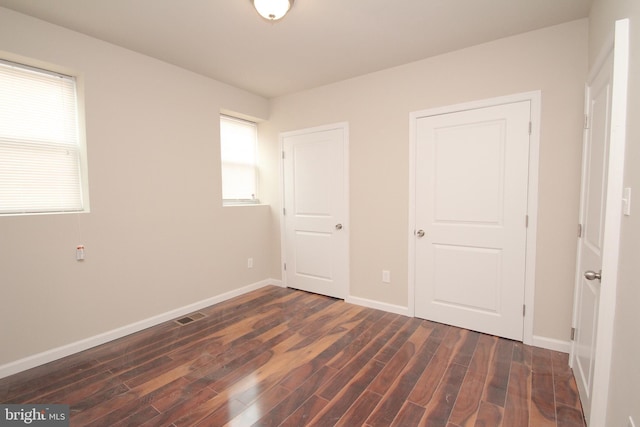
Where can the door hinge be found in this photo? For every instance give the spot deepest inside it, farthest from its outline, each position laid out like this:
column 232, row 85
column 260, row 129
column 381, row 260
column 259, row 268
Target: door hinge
column 284, row 266
column 283, row 154
column 579, row 230
column 284, row 211
column 586, row 121
column 526, row 221
column 573, row 334
column 524, row 310
column 530, row 127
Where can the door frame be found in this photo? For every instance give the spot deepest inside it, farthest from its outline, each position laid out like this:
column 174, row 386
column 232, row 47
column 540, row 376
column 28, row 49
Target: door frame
column 344, row 126
column 534, row 98
column 618, row 44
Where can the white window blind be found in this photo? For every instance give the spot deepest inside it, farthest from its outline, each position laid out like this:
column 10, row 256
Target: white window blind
column 238, row 146
column 39, row 144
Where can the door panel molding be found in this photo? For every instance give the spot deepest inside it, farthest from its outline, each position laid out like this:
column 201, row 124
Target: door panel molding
column 534, row 99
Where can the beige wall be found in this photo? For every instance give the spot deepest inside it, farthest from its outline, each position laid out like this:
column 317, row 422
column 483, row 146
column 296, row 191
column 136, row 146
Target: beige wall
column 624, row 397
column 157, row 237
column 377, row 107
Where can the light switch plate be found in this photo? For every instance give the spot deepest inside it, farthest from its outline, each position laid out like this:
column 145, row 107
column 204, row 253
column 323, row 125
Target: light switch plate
column 386, row 276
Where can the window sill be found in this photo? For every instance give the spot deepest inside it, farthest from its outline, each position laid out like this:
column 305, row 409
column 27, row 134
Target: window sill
column 226, row 204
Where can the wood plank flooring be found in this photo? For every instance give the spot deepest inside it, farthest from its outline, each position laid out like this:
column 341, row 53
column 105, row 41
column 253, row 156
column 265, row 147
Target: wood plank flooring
column 280, row 357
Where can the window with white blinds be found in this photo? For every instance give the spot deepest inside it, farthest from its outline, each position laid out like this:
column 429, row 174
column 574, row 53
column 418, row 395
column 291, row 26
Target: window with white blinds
column 238, row 149
column 40, row 149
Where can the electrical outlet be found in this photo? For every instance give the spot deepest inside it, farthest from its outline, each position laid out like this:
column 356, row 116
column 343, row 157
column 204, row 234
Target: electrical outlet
column 80, row 253
column 250, row 263
column 386, row 276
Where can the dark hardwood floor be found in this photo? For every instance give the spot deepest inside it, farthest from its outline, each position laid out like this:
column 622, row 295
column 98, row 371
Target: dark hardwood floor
column 283, row 357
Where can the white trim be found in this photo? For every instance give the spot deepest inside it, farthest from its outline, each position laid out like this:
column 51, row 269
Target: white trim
column 283, row 254
column 87, row 343
column 391, row 308
column 346, row 222
column 274, row 282
column 534, row 98
column 411, row 261
column 551, row 344
column 583, row 178
column 612, row 226
column 532, row 211
column 322, row 128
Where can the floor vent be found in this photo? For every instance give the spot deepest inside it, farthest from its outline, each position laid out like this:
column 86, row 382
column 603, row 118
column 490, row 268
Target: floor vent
column 190, row 318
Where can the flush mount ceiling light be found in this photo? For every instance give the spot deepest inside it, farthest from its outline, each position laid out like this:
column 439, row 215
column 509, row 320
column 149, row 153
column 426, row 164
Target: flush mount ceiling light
column 272, row 9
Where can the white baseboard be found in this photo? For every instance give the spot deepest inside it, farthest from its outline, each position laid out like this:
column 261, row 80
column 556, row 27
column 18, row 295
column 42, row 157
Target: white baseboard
column 87, row 343
column 274, row 282
column 391, row 308
column 551, row 344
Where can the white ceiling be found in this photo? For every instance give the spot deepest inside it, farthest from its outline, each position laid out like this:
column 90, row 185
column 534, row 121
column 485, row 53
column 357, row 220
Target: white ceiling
column 318, row 42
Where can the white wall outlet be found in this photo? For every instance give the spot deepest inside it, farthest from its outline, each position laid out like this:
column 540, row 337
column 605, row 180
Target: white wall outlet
column 386, row 276
column 80, row 252
column 249, row 262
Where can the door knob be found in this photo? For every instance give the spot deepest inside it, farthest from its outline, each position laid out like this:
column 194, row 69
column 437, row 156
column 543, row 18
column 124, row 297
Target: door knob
column 338, row 226
column 420, row 233
column 592, row 275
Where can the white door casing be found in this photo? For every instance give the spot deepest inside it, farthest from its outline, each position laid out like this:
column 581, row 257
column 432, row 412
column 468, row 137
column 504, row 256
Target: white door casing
column 315, row 232
column 598, row 249
column 471, row 169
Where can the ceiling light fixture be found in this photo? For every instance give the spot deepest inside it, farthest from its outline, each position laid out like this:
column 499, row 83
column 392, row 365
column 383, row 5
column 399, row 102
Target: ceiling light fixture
column 272, row 9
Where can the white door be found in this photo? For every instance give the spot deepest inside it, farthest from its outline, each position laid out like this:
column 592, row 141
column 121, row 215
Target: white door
column 471, row 204
column 315, row 216
column 592, row 215
column 601, row 217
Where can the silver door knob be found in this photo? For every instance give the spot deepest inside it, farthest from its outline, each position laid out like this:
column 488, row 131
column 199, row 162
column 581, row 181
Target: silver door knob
column 592, row 275
column 338, row 226
column 420, row 233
